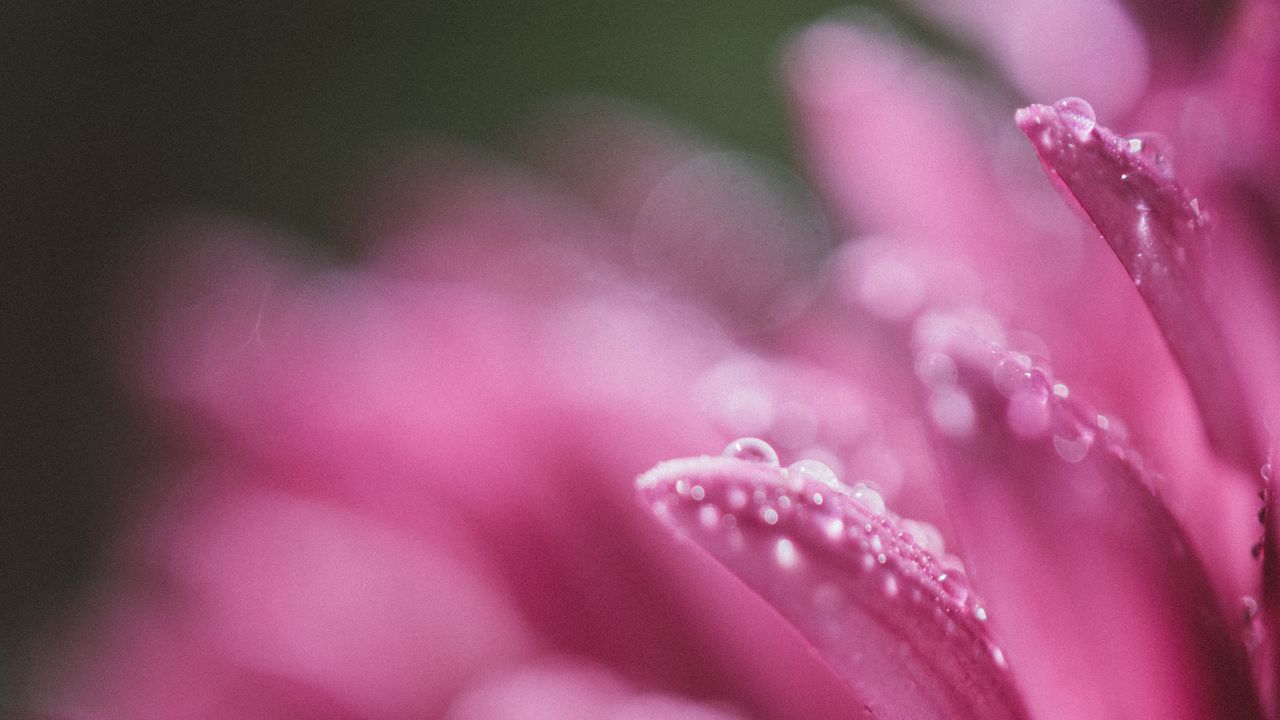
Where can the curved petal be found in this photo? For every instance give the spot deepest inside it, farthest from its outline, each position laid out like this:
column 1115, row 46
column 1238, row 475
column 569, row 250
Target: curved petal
column 1055, row 48
column 1161, row 235
column 894, row 622
column 1105, row 609
column 958, row 213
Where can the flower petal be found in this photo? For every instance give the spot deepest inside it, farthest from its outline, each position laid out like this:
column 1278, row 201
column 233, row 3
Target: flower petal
column 895, row 623
column 1105, row 609
column 1160, row 234
column 960, row 215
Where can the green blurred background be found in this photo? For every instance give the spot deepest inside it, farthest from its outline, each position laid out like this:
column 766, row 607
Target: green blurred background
column 114, row 111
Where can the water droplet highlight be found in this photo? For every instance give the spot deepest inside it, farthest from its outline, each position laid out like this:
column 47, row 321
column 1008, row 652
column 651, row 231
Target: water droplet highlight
column 1154, row 151
column 785, row 553
column 814, row 471
column 952, row 412
column 752, row 450
column 868, row 498
column 1078, row 116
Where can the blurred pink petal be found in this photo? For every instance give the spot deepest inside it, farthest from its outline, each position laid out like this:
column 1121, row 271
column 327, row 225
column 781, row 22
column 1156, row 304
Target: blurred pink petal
column 1057, row 49
column 1087, row 574
column 955, row 216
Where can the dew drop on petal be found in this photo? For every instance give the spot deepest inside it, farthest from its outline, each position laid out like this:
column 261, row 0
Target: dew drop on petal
column 926, row 536
column 785, row 553
column 891, row 586
column 1153, row 149
column 834, row 529
column 1012, row 374
column 1250, row 607
column 814, row 471
column 752, row 450
column 1071, row 449
column 769, row 515
column 936, row 369
column 1078, row 116
column 952, row 412
column 709, row 516
column 868, row 498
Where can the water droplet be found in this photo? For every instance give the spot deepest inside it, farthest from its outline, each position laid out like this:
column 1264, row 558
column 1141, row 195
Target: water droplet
column 737, row 498
column 926, row 536
column 1153, row 150
column 1265, row 471
column 1012, row 374
column 891, row 586
column 785, row 553
column 751, row 450
column 980, row 613
column 834, row 528
column 697, row 492
column 769, row 515
column 868, row 498
column 998, row 656
column 936, row 369
column 952, row 412
column 1072, row 449
column 1250, row 607
column 1078, row 116
column 814, row 471
column 709, row 516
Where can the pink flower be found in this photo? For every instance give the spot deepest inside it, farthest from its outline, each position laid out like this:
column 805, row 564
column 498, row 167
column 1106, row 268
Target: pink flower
column 402, row 486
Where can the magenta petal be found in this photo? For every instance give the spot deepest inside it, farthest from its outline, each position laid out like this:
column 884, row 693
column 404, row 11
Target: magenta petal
column 1104, row 609
column 1126, row 187
column 895, row 623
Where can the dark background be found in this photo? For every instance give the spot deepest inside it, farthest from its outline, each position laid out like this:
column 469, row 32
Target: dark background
column 112, row 112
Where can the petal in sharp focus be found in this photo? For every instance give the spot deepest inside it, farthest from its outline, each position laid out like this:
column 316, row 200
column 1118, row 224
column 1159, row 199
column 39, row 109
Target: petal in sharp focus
column 1161, row 235
column 895, row 622
column 1104, row 607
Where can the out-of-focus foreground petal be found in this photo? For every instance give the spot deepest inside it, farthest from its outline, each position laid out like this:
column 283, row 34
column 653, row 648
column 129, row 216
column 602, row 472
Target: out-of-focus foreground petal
column 1055, row 48
column 1103, row 605
column 896, row 623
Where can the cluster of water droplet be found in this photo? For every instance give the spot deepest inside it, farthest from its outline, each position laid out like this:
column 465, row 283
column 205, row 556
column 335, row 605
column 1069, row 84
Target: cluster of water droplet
column 1036, row 405
column 812, row 509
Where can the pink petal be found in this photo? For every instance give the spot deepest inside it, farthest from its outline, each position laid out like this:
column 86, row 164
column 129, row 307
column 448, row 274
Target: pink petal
column 1104, row 607
column 896, row 624
column 1160, row 234
column 1181, row 33
column 1088, row 47
column 561, row 689
column 958, row 214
